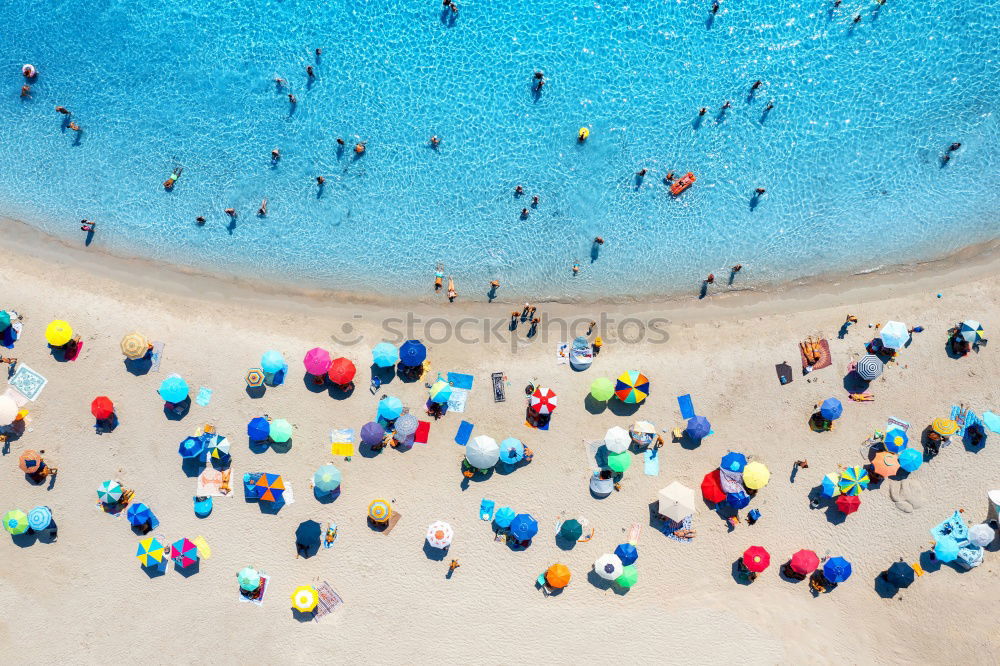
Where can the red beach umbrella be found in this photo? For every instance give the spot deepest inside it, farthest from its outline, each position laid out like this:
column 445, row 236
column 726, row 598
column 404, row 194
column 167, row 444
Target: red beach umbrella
column 848, row 503
column 756, row 559
column 804, row 562
column 711, row 487
column 102, row 407
column 544, row 400
column 342, row 371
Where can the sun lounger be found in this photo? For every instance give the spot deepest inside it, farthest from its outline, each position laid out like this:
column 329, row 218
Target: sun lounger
column 499, row 388
column 463, row 434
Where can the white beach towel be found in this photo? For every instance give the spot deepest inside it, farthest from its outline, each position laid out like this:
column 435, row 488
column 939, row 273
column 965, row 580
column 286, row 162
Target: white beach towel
column 562, row 353
column 456, row 403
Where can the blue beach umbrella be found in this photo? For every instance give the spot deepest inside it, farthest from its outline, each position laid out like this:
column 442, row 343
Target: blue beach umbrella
column 372, row 433
column 389, row 408
column 385, row 355
column 511, row 450
column 831, row 485
column 139, row 514
column 910, row 459
column 504, row 516
column 523, row 527
column 698, row 427
column 895, row 440
column 39, row 518
column 259, row 429
column 737, row 500
column 946, row 550
column 733, row 462
column 272, row 361
column 837, row 570
column 191, row 447
column 174, row 389
column 627, row 553
column 412, row 353
column 831, row 409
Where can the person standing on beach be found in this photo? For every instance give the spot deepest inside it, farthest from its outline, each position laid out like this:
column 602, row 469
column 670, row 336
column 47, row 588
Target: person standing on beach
column 710, row 279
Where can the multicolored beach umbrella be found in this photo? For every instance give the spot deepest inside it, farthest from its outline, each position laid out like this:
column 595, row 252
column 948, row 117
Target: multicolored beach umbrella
column 869, row 367
column 326, row 479
column 109, row 492
column 379, row 510
column 191, row 447
column 135, row 346
column 853, row 480
column 756, row 559
column 305, row 598
column 440, row 535
column 184, row 553
column 971, row 331
column 219, row 448
column 248, row 578
column 39, row 518
column 270, row 488
column 895, row 440
column 632, row 387
column 544, row 400
column 412, row 353
column 138, row 514
column 150, row 551
column 255, row 377
column 837, row 570
column 831, row 485
column 441, row 392
column 15, row 522
column 341, row 371
column 385, row 355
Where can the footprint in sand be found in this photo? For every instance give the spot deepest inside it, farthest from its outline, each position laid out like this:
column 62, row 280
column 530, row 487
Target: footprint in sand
column 907, row 495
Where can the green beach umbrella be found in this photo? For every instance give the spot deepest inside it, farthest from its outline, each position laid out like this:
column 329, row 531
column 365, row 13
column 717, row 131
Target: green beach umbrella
column 280, row 431
column 571, row 530
column 601, row 389
column 327, row 478
column 109, row 492
column 629, row 576
column 619, row 462
column 4, row 319
column 15, row 521
column 249, row 579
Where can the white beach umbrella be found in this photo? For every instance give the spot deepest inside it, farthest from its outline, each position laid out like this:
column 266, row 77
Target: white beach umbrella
column 608, row 566
column 440, row 534
column 894, row 334
column 482, row 452
column 676, row 502
column 8, row 410
column 982, row 535
column 617, row 439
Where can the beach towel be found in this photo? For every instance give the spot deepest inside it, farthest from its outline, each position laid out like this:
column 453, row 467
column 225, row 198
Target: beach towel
column 204, row 396
column 893, row 422
column 342, row 442
column 824, row 356
column 965, row 418
column 784, row 373
column 211, row 483
column 204, row 551
column 499, row 387
column 651, row 462
column 27, row 382
column 463, row 434
column 329, row 601
column 686, row 406
column 669, row 527
column 633, row 534
column 263, row 591
column 155, row 356
column 423, row 430
column 486, row 509
column 991, row 421
column 459, row 380
column 330, row 537
column 562, row 353
column 393, row 519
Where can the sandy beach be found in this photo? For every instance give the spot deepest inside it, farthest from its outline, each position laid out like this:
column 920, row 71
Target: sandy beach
column 84, row 598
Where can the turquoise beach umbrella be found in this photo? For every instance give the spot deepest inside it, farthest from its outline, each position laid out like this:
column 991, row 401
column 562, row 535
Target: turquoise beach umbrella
column 511, row 450
column 385, row 355
column 910, row 459
column 327, row 479
column 109, row 492
column 272, row 361
column 389, row 408
column 946, row 550
column 39, row 518
column 280, row 431
column 174, row 389
column 504, row 516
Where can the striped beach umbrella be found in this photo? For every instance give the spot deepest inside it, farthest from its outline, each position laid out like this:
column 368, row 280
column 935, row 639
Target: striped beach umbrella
column 184, row 553
column 895, row 440
column 804, row 562
column 544, row 400
column 109, row 492
column 255, row 377
column 756, row 558
column 248, row 578
column 837, row 570
column 853, row 480
column 150, row 551
column 305, row 598
column 341, row 371
column 944, row 427
column 135, row 346
column 270, row 488
column 219, row 448
column 971, row 331
column 440, row 535
column 379, row 510
column 632, row 387
column 441, row 392
column 326, row 479
column 39, row 518
column 894, row 334
column 869, row 367
column 15, row 522
column 558, row 576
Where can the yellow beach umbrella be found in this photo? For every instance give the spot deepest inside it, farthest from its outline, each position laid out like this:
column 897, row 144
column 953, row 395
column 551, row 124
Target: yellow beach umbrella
column 135, row 346
column 755, row 475
column 150, row 551
column 58, row 333
column 944, row 427
column 379, row 511
column 305, row 598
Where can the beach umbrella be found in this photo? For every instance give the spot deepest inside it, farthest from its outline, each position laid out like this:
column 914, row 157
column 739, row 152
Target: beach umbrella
column 258, row 429
column 804, row 562
column 4, row 319
column 946, row 550
column 441, row 392
column 523, row 527
column 511, row 450
column 504, row 516
column 255, row 377
column 15, row 522
column 272, row 361
column 970, row 330
column 150, row 551
column 756, row 475
column 307, row 536
column 109, row 492
column 191, row 447
column 894, row 334
column 326, row 479
column 601, row 389
column 8, row 410
column 619, row 462
column 218, row 447
column 248, row 578
column 405, row 426
column 848, row 504
column 711, row 487
column 317, row 361
column 642, row 430
column 39, row 518
column 571, row 529
column 270, row 488
column 982, row 535
column 900, row 574
column 869, row 367
column 138, row 514
column 174, row 389
column 379, row 510
column 30, row 462
column 543, row 400
column 280, row 431
column 837, row 570
column 482, row 452
column 831, row 409
column 733, row 462
column 738, row 500
column 629, row 576
column 58, row 333
column 632, row 387
column 831, row 485
column 617, row 439
column 440, row 535
column 341, row 371
column 944, row 427
column 135, row 346
column 627, row 553
column 608, row 566
column 853, row 480
column 102, row 407
column 372, row 433
column 676, row 501
column 184, row 553
column 885, row 463
column 698, row 427
column 895, row 440
column 557, row 576
column 910, row 459
column 384, row 355
column 412, row 353
column 756, row 559
column 305, row 598
column 389, row 408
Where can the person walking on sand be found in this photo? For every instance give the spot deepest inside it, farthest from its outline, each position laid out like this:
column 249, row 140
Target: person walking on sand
column 454, row 565
column 452, row 294
column 710, row 279
column 590, row 327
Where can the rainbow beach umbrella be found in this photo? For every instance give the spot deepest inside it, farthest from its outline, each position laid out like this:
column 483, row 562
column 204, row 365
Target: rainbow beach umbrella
column 150, row 551
column 255, row 377
column 853, row 480
column 632, row 387
column 379, row 510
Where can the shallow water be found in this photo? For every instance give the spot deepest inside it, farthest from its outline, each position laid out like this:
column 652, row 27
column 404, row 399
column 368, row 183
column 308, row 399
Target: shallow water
column 849, row 155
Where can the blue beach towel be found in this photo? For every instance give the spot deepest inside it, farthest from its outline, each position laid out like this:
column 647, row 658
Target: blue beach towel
column 964, row 419
column 686, row 406
column 463, row 434
column 204, row 395
column 486, row 509
column 991, row 421
column 651, row 465
column 460, row 381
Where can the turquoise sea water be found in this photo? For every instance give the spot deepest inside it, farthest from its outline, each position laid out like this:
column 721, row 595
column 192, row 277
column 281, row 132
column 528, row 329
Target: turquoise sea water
column 849, row 155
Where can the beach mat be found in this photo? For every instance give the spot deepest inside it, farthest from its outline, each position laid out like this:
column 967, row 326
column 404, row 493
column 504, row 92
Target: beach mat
column 669, row 527
column 393, row 519
column 784, row 372
column 259, row 600
column 651, row 462
column 329, row 601
column 499, row 389
column 460, row 381
column 991, row 421
column 456, row 402
column 686, row 406
column 824, row 356
column 463, row 434
column 155, row 356
column 965, row 418
column 423, row 430
column 27, row 382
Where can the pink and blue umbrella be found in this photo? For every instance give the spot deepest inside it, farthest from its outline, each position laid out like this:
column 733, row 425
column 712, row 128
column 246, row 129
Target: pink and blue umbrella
column 412, row 353
column 837, row 570
column 523, row 527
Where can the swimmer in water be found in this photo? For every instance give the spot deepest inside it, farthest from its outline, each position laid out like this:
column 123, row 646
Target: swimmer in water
column 599, row 241
column 953, row 147
column 200, row 220
column 76, row 128
column 63, row 110
column 759, row 191
column 452, row 294
column 262, row 211
column 669, row 178
column 710, row 279
column 359, row 148
column 534, row 201
column 715, row 7
column 29, row 71
column 88, row 226
column 309, row 72
column 435, row 141
column 438, row 277
column 26, row 90
column 340, row 142
column 168, row 184
column 320, row 180
column 756, row 84
column 275, row 155
column 727, row 104
column 576, row 268
column 702, row 111
column 524, row 213
column 642, row 172
column 495, row 284
column 280, row 82
column 518, row 191
column 231, row 212
column 770, row 105
column 291, row 99
column 857, row 18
